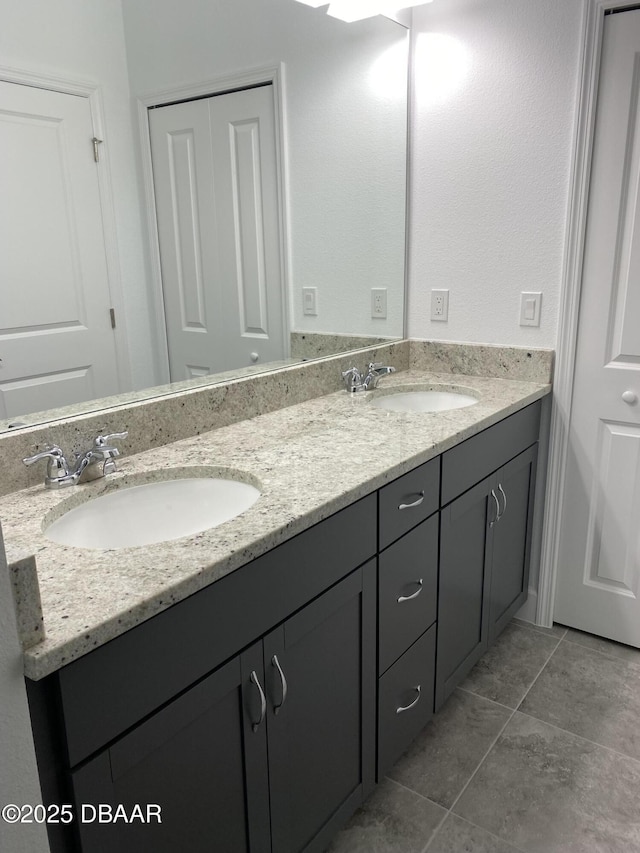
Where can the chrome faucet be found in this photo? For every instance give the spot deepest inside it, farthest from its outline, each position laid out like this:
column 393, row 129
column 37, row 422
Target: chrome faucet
column 355, row 381
column 59, row 472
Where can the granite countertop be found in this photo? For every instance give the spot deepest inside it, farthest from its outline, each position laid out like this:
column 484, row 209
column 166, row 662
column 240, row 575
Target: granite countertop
column 311, row 460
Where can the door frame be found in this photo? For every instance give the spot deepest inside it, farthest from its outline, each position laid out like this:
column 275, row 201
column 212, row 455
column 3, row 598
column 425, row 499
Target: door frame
column 93, row 93
column 590, row 60
column 273, row 74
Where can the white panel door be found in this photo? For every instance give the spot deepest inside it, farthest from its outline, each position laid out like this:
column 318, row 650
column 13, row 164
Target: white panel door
column 56, row 342
column 215, row 179
column 598, row 586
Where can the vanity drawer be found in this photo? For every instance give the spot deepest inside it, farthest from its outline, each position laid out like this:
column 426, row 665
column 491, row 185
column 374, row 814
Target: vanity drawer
column 112, row 688
column 407, row 591
column 405, row 700
column 408, row 500
column 471, row 461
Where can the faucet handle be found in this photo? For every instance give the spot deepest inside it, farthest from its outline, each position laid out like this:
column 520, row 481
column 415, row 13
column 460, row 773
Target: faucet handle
column 352, row 378
column 375, row 366
column 104, row 440
column 56, row 463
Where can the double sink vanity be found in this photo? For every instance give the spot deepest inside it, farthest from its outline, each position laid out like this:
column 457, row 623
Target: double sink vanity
column 255, row 679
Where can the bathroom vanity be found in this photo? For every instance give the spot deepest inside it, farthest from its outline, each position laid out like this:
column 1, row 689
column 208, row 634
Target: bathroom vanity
column 259, row 710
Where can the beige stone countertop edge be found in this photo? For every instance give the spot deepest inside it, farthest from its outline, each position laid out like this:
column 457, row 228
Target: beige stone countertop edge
column 90, row 597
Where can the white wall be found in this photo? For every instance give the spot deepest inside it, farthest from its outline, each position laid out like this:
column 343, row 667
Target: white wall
column 494, row 108
column 85, row 40
column 18, row 772
column 346, row 135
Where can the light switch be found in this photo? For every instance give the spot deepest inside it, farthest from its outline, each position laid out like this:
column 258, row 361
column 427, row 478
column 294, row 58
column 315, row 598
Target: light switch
column 530, row 304
column 310, row 301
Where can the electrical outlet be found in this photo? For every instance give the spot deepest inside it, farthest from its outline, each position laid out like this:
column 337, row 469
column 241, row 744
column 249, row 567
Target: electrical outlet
column 530, row 305
column 310, row 301
column 379, row 303
column 440, row 305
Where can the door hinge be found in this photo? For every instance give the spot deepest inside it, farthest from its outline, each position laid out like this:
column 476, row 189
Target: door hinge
column 96, row 154
column 112, row 314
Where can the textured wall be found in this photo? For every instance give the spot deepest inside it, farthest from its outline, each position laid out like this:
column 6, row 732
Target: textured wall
column 346, row 135
column 85, row 40
column 492, row 135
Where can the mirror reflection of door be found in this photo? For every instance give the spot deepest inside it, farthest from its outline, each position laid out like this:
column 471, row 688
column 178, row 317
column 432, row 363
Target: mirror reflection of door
column 216, row 189
column 57, row 345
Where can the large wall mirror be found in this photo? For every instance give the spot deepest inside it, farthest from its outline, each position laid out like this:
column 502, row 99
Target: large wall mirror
column 251, row 186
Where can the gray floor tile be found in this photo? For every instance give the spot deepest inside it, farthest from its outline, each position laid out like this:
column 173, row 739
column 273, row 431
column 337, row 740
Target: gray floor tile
column 445, row 755
column 458, row 836
column 509, row 668
column 393, row 820
column 594, row 696
column 557, row 631
column 606, row 647
column 548, row 791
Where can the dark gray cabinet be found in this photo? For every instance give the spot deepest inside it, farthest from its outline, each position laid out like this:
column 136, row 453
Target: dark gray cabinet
column 258, row 712
column 203, row 758
column 407, row 608
column 465, row 559
column 512, row 539
column 485, row 543
column 320, row 681
column 199, row 759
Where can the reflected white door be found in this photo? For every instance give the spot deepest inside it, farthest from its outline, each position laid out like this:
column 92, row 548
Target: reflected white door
column 215, row 180
column 598, row 586
column 56, row 341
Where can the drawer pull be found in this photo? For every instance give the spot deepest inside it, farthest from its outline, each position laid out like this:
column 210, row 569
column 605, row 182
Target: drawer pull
column 263, row 700
column 415, row 503
column 413, row 704
column 495, row 497
column 415, row 594
column 283, row 681
column 502, row 492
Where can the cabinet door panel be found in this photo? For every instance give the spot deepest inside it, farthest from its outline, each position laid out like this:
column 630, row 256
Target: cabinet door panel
column 512, row 540
column 464, row 577
column 189, row 758
column 317, row 739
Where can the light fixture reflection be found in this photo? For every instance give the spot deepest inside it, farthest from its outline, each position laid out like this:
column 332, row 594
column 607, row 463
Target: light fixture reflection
column 357, row 10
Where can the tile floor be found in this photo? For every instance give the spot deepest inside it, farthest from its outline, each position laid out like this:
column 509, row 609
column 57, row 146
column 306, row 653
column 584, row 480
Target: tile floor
column 538, row 751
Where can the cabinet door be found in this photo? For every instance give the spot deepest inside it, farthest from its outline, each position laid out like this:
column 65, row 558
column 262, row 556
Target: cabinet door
column 512, row 539
column 320, row 673
column 200, row 759
column 465, row 560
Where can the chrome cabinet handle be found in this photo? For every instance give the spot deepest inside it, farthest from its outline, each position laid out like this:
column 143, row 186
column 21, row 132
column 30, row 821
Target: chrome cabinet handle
column 415, row 594
column 275, row 662
column 495, row 497
column 413, row 704
column 263, row 700
column 415, row 503
column 502, row 492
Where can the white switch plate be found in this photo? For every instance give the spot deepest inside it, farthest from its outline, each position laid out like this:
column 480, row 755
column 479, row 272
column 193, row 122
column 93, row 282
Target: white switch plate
column 379, row 303
column 530, row 305
column 310, row 301
column 440, row 305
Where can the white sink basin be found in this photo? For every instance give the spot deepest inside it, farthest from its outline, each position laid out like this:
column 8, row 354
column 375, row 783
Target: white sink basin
column 153, row 512
column 423, row 401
